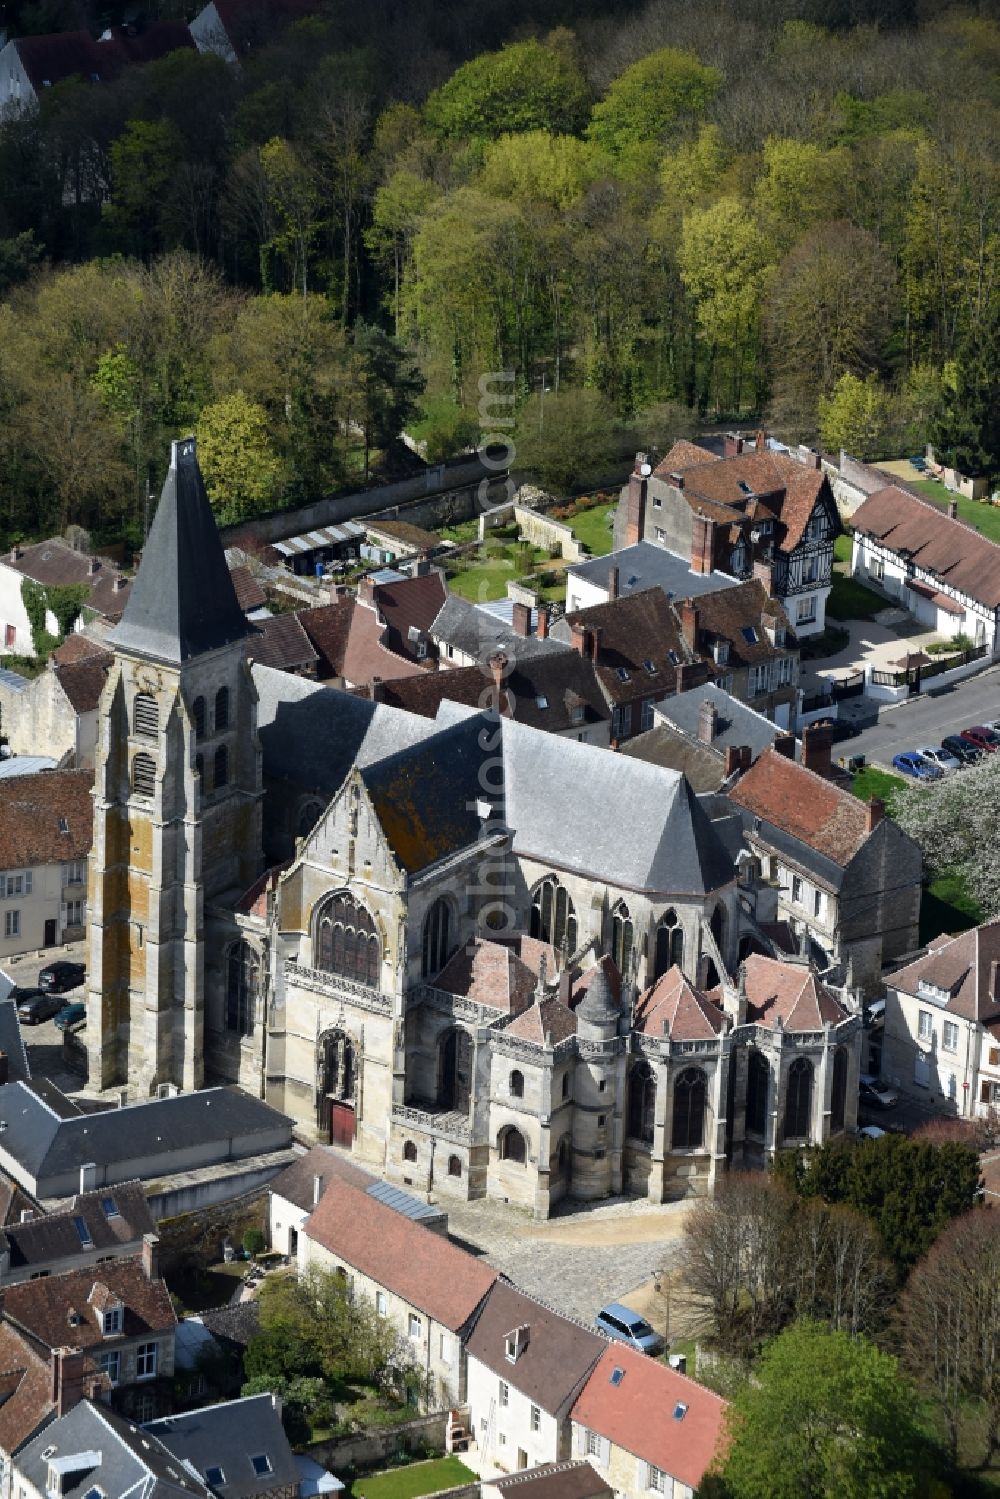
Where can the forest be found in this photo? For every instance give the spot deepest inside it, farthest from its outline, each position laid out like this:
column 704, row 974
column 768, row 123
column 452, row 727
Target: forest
column 655, row 216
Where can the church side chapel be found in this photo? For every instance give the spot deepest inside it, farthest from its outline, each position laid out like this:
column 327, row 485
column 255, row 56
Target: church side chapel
column 488, row 960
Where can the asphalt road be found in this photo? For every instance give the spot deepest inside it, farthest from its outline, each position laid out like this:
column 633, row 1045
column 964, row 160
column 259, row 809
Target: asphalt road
column 927, row 719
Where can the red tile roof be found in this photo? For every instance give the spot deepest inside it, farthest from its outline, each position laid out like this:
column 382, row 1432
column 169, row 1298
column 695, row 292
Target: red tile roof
column 79, row 647
column 800, row 802
column 556, row 1353
column 25, row 1389
column 638, row 1414
column 491, row 974
column 281, row 642
column 367, row 656
column 423, row 1269
column 780, row 486
column 947, row 549
column 249, row 594
column 674, row 1007
column 55, row 562
column 725, row 614
column 789, row 991
column 329, row 628
column 634, row 629
column 548, row 1022
column 42, row 1307
column 46, row 818
column 83, row 681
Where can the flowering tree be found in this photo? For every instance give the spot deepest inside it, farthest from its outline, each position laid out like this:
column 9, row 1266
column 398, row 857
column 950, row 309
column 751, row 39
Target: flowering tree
column 955, row 822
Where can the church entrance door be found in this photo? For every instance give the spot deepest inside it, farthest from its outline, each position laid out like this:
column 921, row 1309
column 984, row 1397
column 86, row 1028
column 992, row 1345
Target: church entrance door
column 341, row 1122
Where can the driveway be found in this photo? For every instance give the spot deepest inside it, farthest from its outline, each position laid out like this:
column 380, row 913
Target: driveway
column 928, row 718
column 873, row 642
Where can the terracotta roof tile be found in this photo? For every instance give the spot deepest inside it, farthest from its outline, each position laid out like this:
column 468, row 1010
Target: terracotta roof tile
column 947, row 549
column 583, row 981
column 413, row 604
column 779, row 486
column 56, row 563
column 563, row 681
column 789, row 991
column 548, row 1022
column 80, row 647
column 638, row 1413
column 674, row 1007
column 83, row 681
column 726, row 614
column 491, row 974
column 424, row 1269
column 281, row 642
column 249, row 593
column 634, row 629
column 33, row 810
column 367, row 656
column 26, row 1389
column 296, row 1183
column 805, row 805
column 329, row 628
column 566, row 1480
column 43, row 1307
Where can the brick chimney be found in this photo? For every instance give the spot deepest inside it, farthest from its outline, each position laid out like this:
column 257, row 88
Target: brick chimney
column 544, row 616
column 760, row 442
column 376, row 690
column 739, row 757
column 817, row 747
column 784, row 745
column 521, row 619
column 498, row 667
column 874, row 813
column 731, row 445
column 702, row 544
column 578, row 637
column 66, row 1368
column 689, row 622
column 953, row 510
column 612, row 582
column 593, row 641
column 635, row 503
column 763, row 571
column 151, row 1256
column 707, row 717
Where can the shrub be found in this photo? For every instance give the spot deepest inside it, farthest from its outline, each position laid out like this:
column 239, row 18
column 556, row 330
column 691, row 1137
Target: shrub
column 253, row 1242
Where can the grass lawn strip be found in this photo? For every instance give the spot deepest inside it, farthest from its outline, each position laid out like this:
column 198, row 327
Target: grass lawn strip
column 413, row 1480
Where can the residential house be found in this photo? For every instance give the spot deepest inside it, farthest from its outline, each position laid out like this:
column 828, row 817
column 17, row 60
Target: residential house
column 232, row 29
column 93, row 1228
column 394, row 540
column 744, row 636
column 526, row 1366
column 351, row 639
column 117, row 1314
column 32, row 1390
column 55, row 713
column 568, row 1480
column 941, row 1041
column 557, row 691
column 946, row 574
column 91, row 1447
column 465, row 635
column 31, row 64
column 280, row 640
column 209, row 1350
column 634, row 568
column 54, row 564
column 237, row 1448
column 848, row 877
column 429, row 1289
column 52, row 1149
column 296, row 1191
column 753, row 512
column 639, row 654
column 46, row 824
column 408, row 606
column 646, row 1428
column 706, row 734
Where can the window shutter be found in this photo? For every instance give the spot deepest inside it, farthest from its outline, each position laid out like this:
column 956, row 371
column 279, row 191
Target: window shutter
column 605, row 1451
column 643, row 1475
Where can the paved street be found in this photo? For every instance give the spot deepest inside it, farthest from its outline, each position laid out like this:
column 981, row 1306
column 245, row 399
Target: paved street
column 44, row 1042
column 926, row 719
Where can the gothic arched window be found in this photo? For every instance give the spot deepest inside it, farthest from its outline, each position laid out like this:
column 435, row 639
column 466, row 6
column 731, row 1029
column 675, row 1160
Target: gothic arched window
column 198, row 714
column 641, row 1103
column 621, row 937
column 690, row 1092
column 437, row 935
column 513, row 1147
column 143, row 775
column 516, row 1084
column 758, row 1088
column 669, row 944
column 455, row 1072
column 309, row 814
column 220, row 768
column 346, row 941
column 798, row 1099
column 553, row 917
column 145, row 716
column 838, row 1095
column 242, row 980
column 221, row 709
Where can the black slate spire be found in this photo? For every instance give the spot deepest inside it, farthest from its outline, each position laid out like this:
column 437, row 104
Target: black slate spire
column 182, row 602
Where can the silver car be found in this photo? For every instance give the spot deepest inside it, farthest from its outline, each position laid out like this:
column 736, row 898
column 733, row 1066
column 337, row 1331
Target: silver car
column 941, row 758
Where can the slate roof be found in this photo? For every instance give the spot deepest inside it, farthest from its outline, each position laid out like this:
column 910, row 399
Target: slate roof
column 422, row 1268
column 25, row 1389
column 804, row 805
column 735, row 722
column 47, row 1142
column 568, row 1480
column 123, row 1461
column 947, row 549
column 281, row 642
column 960, row 968
column 561, row 681
column 114, row 1217
column 780, row 486
column 12, row 1042
column 558, row 1355
column 229, row 1436
column 637, row 1412
column 673, row 1007
column 639, row 628
column 480, row 635
column 55, row 562
column 790, row 991
column 46, row 818
column 183, row 602
column 64, row 1310
column 647, row 565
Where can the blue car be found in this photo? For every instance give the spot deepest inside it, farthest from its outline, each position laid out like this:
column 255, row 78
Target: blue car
column 912, row 764
column 620, row 1322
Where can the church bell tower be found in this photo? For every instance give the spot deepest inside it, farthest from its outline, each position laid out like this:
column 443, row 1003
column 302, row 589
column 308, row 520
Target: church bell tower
column 177, row 795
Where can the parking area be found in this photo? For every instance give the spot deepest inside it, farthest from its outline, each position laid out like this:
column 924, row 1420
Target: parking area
column 44, row 1042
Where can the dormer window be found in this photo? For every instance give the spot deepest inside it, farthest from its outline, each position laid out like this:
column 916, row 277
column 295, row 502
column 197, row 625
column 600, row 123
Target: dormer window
column 720, row 652
column 261, row 1464
column 112, row 1321
column 516, row 1342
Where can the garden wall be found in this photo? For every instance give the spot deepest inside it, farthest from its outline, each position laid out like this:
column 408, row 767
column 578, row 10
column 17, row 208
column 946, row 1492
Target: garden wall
column 537, row 528
column 376, row 1446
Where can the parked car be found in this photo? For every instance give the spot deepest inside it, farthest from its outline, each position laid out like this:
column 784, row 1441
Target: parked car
column 619, row 1322
column 870, row 1132
column 56, row 978
column 38, row 1007
column 983, row 738
column 941, row 757
column 71, row 1015
column 961, row 749
column 875, row 1093
column 913, row 764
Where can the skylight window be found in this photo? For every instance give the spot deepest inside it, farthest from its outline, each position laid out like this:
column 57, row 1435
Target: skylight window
column 261, row 1464
column 109, row 1207
column 680, row 1411
column 541, row 701
column 623, row 675
column 673, row 658
column 617, row 1375
column 745, row 488
column 749, row 634
column 86, row 1241
column 94, row 1493
column 63, row 825
column 215, row 1477
column 650, row 667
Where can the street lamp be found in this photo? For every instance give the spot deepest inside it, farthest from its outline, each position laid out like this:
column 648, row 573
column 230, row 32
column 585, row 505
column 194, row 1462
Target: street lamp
column 662, row 1286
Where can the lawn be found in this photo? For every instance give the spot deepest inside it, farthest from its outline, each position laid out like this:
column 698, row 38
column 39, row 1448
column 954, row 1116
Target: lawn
column 483, row 579
column 872, row 782
column 851, row 600
column 413, row 1480
column 946, row 906
column 985, row 518
column 593, row 528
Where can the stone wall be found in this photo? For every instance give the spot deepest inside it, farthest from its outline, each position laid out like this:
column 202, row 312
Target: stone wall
column 540, row 529
column 373, row 1448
